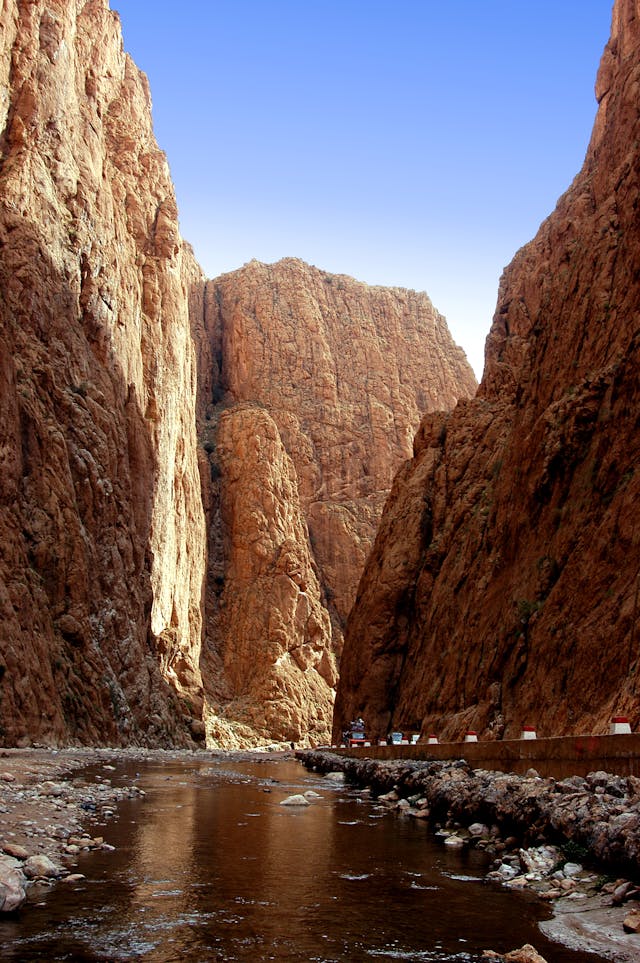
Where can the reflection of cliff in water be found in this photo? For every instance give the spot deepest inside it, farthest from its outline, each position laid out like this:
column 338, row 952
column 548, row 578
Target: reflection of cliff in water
column 210, row 866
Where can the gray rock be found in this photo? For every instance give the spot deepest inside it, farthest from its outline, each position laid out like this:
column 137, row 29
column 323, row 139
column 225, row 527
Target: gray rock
column 41, row 865
column 478, row 829
column 12, row 885
column 541, row 860
column 12, row 896
column 53, row 789
column 297, row 800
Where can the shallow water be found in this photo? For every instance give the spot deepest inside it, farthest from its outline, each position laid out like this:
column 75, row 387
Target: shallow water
column 210, row 866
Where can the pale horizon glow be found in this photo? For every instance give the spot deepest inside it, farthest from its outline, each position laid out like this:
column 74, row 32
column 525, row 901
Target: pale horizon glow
column 406, row 143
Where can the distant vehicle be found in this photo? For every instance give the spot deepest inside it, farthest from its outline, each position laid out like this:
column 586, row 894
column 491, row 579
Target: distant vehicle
column 355, row 734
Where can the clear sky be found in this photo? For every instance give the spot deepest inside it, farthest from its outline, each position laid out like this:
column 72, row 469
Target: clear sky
column 416, row 143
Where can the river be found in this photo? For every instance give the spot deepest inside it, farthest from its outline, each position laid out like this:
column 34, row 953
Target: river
column 210, row 867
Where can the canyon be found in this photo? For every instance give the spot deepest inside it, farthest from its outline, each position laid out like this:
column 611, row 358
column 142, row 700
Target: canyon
column 192, row 471
column 503, row 586
column 223, row 500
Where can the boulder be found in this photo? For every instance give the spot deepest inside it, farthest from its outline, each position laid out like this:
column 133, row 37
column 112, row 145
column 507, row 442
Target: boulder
column 631, row 923
column 526, row 954
column 13, row 849
column 454, row 841
column 12, row 885
column 540, row 860
column 478, row 829
column 41, row 865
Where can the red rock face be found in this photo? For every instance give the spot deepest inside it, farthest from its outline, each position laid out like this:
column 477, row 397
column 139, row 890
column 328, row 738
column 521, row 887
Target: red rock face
column 504, row 585
column 101, row 522
column 322, row 381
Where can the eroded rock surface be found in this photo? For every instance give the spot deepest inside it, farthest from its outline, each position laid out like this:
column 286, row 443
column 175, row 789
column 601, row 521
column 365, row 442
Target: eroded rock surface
column 101, row 522
column 503, row 586
column 278, row 667
column 321, row 382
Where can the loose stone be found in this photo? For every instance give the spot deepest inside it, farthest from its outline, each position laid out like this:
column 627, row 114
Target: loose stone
column 297, row 800
column 41, row 865
column 13, row 892
column 13, row 849
column 455, row 841
column 631, row 922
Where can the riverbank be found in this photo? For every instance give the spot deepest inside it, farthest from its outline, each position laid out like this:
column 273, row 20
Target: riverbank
column 47, row 818
column 574, row 842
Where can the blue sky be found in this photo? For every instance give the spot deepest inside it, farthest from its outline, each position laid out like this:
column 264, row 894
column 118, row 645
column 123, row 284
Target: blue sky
column 416, row 143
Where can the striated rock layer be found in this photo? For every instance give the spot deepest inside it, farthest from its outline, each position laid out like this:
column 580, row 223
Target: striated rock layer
column 321, row 382
column 504, row 585
column 101, row 524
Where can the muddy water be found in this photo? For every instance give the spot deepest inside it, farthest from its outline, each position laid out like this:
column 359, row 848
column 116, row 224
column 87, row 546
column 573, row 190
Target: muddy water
column 210, row 866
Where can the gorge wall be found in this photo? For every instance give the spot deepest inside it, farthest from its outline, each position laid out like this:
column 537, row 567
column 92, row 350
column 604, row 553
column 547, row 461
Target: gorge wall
column 102, row 534
column 503, row 588
column 311, row 388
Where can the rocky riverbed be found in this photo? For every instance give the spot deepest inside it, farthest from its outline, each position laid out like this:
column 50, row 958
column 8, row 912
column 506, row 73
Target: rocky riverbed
column 46, row 819
column 574, row 842
column 538, row 833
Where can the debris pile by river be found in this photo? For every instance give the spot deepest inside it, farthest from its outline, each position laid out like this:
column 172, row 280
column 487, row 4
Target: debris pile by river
column 598, row 814
column 564, row 839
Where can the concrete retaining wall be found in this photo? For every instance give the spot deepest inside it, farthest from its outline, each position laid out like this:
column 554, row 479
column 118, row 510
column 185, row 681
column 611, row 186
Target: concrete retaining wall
column 559, row 757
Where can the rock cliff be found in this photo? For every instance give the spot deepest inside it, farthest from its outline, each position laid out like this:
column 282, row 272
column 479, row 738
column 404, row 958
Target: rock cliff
column 504, row 585
column 102, row 534
column 311, row 388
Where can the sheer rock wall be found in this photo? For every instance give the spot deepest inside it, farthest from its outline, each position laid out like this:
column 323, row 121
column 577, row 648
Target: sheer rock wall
column 310, row 389
column 101, row 522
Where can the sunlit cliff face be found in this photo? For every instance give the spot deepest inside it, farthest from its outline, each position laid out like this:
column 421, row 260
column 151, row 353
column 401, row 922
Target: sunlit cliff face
column 102, row 527
column 311, row 386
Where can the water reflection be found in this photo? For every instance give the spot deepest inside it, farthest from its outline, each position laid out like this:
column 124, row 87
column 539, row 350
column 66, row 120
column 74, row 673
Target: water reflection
column 211, row 867
column 163, row 863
